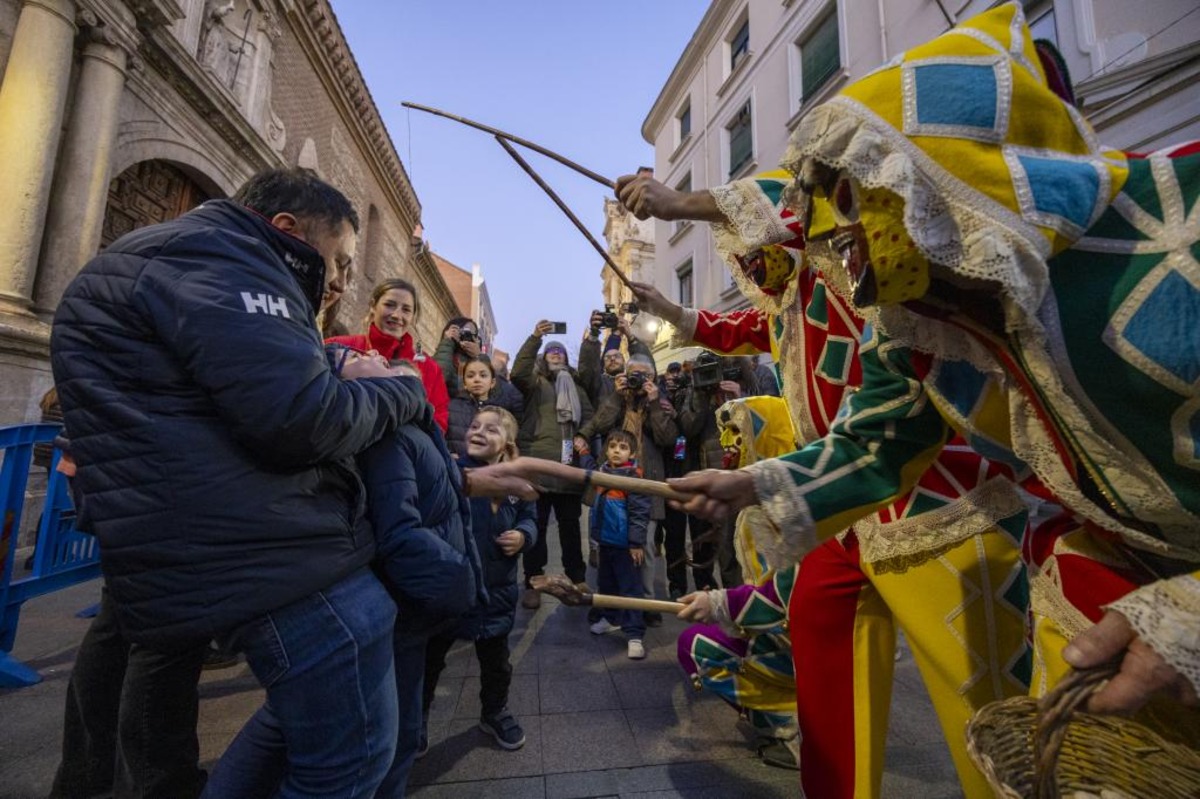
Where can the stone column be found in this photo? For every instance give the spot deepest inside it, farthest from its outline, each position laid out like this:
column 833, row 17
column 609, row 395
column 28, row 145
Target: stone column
column 80, row 194
column 32, row 99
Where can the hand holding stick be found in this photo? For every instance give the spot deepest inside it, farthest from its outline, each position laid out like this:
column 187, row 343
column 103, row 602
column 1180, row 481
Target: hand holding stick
column 561, row 588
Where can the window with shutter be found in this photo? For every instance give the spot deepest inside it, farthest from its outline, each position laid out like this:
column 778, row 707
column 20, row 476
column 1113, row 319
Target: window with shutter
column 820, row 55
column 741, row 140
column 739, row 45
column 683, row 276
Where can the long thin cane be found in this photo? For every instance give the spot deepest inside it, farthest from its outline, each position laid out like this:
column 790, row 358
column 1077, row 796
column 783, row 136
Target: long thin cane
column 563, row 206
column 603, row 181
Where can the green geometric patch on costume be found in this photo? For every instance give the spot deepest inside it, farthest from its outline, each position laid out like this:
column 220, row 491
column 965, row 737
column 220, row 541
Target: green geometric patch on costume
column 1129, row 311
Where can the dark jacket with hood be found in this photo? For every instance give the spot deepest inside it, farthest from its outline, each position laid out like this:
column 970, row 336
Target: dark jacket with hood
column 495, row 618
column 215, row 446
column 541, row 434
column 427, row 555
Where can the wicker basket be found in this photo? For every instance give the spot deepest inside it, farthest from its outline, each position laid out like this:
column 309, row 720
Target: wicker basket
column 1046, row 750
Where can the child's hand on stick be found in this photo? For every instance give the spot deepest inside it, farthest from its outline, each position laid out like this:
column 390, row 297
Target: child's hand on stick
column 510, row 542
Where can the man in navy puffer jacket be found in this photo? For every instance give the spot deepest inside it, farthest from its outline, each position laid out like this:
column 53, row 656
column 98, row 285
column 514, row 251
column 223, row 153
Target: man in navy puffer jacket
column 215, row 448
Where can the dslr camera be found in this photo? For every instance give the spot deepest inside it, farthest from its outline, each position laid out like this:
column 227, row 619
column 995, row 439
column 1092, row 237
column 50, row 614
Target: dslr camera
column 706, row 372
column 609, row 318
column 467, row 335
column 635, row 381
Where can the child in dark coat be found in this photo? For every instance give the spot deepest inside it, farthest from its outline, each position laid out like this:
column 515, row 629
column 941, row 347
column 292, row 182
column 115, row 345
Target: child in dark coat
column 618, row 528
column 503, row 529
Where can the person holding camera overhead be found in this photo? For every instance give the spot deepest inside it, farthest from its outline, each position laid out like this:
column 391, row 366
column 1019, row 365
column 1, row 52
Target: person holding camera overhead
column 637, row 406
column 460, row 344
column 556, row 406
column 599, row 370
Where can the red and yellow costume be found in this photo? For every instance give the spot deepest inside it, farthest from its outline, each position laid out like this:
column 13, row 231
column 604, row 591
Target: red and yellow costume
column 942, row 562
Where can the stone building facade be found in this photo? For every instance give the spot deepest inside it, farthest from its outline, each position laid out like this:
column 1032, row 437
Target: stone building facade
column 630, row 243
column 120, row 113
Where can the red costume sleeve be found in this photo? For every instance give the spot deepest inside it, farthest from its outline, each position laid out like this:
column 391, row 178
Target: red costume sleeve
column 734, row 332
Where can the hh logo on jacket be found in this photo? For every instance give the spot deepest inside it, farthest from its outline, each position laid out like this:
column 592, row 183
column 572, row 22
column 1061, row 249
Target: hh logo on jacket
column 264, row 303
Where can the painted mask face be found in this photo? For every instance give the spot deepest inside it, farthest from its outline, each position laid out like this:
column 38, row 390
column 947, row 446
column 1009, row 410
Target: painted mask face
column 866, row 228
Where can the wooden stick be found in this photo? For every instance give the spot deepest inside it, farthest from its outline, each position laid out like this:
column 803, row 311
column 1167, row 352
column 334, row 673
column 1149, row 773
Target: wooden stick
column 633, row 603
column 603, row 181
column 563, row 206
column 634, row 485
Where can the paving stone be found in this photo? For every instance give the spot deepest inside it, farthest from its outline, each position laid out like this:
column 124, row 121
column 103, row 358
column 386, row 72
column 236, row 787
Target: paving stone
column 653, row 686
column 747, row 776
column 522, row 697
column 587, row 741
column 516, row 788
column 466, row 753
column 567, row 690
column 703, row 730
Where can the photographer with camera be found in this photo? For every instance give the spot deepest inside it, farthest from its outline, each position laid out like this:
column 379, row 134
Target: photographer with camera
column 715, row 380
column 636, row 405
column 556, row 405
column 460, row 344
column 599, row 366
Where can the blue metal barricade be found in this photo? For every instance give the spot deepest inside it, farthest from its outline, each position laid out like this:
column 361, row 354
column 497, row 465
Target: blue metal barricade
column 63, row 556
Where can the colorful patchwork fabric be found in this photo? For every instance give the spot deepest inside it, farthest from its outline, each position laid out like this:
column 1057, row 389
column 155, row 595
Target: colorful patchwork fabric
column 992, row 171
column 813, row 330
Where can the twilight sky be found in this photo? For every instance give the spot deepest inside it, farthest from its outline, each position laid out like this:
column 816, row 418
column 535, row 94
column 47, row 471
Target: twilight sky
column 578, row 78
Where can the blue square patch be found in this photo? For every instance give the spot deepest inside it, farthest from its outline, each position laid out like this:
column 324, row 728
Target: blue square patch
column 1062, row 192
column 1062, row 188
column 965, row 98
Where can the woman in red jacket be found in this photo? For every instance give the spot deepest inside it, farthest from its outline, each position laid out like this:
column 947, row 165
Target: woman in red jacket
column 394, row 310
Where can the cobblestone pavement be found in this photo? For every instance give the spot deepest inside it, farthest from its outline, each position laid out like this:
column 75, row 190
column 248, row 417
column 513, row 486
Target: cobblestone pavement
column 597, row 724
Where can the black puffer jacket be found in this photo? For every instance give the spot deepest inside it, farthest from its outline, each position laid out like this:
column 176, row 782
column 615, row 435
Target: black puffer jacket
column 214, row 443
column 462, row 412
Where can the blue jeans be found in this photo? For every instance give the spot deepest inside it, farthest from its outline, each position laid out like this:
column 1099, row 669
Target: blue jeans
column 618, row 575
column 328, row 727
column 409, row 651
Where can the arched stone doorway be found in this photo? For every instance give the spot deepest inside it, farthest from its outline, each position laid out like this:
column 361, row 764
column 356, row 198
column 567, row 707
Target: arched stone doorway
column 147, row 193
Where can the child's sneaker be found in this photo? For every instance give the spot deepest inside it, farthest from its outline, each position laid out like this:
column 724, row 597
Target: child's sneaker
column 504, row 728
column 636, row 651
column 603, row 627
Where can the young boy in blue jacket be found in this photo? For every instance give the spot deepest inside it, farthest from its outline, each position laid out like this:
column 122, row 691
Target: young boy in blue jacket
column 618, row 527
column 503, row 530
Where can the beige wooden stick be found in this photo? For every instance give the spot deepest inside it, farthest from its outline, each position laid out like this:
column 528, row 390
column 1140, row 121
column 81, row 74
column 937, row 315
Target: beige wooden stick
column 572, row 594
column 632, row 603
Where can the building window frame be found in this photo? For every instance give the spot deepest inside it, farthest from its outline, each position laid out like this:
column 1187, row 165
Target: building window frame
column 685, row 283
column 681, row 226
column 737, row 162
column 807, row 89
